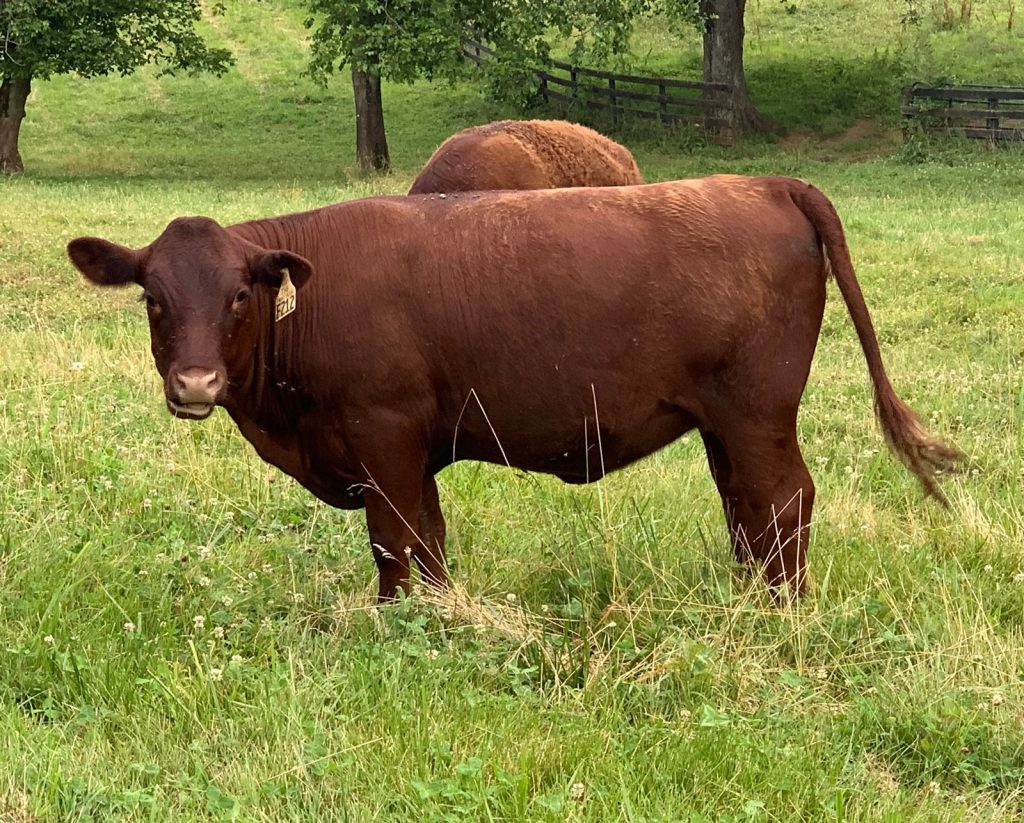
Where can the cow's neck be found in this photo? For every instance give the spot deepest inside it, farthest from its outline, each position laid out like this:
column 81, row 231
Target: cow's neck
column 262, row 394
column 270, row 393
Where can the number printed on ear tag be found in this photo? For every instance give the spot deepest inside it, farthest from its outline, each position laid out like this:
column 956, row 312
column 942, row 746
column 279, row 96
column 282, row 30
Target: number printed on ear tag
column 285, row 304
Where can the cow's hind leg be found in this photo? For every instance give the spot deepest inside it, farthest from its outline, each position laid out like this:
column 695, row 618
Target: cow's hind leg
column 767, row 494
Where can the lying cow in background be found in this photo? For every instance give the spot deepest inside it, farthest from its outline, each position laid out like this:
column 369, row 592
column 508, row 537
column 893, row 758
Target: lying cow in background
column 526, row 154
column 570, row 332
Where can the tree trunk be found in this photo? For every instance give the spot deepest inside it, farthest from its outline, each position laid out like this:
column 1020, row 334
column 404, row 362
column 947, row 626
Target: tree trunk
column 371, row 142
column 723, row 63
column 13, row 94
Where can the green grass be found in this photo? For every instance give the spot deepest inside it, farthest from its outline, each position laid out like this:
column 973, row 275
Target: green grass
column 187, row 634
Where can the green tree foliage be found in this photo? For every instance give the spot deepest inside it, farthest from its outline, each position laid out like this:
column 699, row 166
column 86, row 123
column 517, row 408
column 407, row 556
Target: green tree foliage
column 402, row 40
column 398, row 40
column 41, row 38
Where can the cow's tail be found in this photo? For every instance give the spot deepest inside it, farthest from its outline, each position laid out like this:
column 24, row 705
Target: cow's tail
column 923, row 454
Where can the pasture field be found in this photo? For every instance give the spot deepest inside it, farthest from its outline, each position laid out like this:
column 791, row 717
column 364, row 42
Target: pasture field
column 186, row 634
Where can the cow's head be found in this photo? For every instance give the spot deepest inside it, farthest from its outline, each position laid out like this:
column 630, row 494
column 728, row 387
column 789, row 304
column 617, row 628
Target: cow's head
column 207, row 293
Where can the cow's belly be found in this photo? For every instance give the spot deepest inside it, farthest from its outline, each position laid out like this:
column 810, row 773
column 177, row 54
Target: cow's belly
column 577, row 450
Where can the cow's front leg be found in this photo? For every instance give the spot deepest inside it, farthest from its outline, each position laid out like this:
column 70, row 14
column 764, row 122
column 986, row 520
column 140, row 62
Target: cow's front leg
column 429, row 554
column 392, row 515
column 396, row 538
column 393, row 492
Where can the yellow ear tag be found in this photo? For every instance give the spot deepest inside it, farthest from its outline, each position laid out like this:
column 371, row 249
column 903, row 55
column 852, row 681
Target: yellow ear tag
column 285, row 304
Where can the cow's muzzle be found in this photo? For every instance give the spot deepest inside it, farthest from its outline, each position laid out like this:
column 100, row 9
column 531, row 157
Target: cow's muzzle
column 193, row 393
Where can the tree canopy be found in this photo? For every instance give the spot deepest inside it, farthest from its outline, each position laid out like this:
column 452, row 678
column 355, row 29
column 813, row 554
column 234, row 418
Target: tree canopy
column 403, row 40
column 41, row 38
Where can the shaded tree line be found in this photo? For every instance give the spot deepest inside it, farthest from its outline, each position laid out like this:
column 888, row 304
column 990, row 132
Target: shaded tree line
column 374, row 40
column 401, row 40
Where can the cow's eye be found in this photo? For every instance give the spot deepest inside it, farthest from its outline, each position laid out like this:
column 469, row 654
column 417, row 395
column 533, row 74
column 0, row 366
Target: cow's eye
column 241, row 297
column 149, row 300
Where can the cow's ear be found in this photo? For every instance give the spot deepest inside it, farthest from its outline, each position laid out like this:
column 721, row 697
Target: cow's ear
column 103, row 262
column 268, row 268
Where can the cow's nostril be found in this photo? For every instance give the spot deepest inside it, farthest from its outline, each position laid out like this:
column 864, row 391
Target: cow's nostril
column 197, row 385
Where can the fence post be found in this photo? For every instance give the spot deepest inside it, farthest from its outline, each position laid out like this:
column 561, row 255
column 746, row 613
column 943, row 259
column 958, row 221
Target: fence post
column 572, row 81
column 906, row 95
column 663, row 103
column 544, row 88
column 992, row 123
column 614, row 100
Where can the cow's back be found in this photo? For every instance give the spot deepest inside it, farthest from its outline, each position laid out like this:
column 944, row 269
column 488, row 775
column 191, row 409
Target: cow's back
column 526, row 154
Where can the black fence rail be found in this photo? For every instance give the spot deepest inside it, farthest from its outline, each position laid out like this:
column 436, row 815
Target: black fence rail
column 705, row 105
column 987, row 112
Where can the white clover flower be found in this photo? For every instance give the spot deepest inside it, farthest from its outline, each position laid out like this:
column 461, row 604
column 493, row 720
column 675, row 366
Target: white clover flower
column 48, row 640
column 216, row 674
column 218, row 631
column 129, row 627
column 199, row 621
column 236, row 659
column 204, row 581
column 576, row 791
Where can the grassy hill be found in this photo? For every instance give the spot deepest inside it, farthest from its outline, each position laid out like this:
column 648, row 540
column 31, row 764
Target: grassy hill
column 187, row 634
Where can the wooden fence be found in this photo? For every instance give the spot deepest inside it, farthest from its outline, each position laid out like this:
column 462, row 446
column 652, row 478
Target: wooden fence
column 706, row 105
column 987, row 112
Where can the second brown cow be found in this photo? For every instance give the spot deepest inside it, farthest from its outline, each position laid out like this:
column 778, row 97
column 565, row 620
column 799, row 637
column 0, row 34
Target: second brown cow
column 569, row 332
column 526, row 154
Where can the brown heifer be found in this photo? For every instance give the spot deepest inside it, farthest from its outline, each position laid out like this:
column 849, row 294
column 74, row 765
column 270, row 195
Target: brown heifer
column 570, row 331
column 526, row 154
